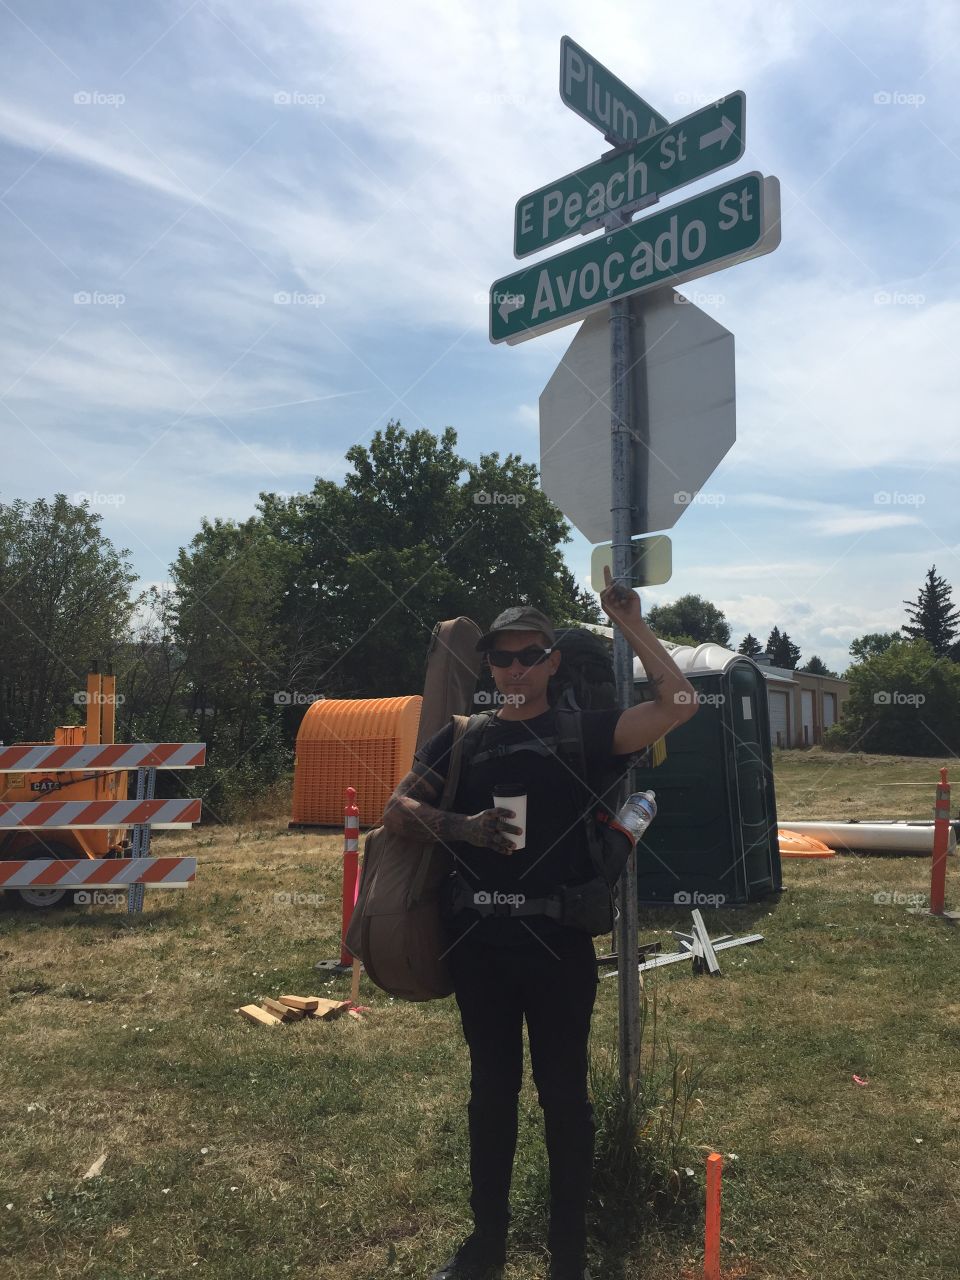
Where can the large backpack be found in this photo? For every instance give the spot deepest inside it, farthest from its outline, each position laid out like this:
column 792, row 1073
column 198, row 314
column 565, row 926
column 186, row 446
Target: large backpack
column 396, row 928
column 584, row 681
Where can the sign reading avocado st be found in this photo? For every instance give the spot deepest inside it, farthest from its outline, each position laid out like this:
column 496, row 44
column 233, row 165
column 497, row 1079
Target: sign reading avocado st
column 730, row 223
column 689, row 149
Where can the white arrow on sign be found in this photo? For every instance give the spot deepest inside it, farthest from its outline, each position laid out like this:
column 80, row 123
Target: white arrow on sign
column 721, row 134
column 510, row 302
column 691, row 404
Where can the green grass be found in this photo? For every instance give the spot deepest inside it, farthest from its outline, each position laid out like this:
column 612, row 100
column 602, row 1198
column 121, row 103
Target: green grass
column 339, row 1149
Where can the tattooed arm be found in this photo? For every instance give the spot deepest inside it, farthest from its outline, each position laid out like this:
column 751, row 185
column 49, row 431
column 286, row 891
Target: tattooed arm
column 410, row 812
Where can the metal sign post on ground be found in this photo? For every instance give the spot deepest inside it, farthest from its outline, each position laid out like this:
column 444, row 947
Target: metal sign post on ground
column 651, row 408
column 140, row 839
column 625, row 349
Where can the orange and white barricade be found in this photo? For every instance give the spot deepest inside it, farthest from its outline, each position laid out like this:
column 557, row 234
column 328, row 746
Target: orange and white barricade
column 60, row 767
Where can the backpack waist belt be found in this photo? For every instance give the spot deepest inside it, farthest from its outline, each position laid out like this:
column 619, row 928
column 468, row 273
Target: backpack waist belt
column 485, row 903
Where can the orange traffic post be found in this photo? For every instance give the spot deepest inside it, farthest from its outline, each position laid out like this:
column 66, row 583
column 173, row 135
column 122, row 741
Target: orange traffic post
column 941, row 836
column 351, row 841
column 94, row 707
column 711, row 1250
column 108, row 714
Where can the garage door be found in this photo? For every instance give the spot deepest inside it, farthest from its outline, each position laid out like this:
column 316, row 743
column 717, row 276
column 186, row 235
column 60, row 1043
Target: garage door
column 829, row 709
column 779, row 718
column 806, row 716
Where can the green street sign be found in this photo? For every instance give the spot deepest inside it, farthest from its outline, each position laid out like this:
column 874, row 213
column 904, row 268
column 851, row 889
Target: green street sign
column 596, row 94
column 699, row 144
column 650, row 565
column 730, row 223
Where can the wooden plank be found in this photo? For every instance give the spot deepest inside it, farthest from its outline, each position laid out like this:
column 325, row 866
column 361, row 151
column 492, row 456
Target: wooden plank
column 282, row 1011
column 329, row 1008
column 307, row 1003
column 253, row 1013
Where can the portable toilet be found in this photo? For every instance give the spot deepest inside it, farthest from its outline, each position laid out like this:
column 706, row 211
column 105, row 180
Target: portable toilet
column 367, row 743
column 714, row 839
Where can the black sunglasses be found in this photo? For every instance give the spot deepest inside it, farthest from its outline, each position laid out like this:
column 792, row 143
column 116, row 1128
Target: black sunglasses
column 528, row 657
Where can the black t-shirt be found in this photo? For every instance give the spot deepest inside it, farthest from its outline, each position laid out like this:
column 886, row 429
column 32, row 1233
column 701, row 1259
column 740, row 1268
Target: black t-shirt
column 556, row 851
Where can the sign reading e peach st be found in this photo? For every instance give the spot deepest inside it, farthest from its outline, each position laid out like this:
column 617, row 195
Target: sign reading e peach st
column 730, row 223
column 687, row 150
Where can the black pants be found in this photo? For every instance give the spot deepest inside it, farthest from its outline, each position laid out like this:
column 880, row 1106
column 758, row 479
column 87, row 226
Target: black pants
column 554, row 989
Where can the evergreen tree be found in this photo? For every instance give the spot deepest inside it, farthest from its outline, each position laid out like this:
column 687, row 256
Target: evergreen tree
column 932, row 616
column 750, row 645
column 783, row 652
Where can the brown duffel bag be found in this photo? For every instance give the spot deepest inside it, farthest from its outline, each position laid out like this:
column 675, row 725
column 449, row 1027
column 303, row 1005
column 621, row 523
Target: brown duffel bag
column 397, row 927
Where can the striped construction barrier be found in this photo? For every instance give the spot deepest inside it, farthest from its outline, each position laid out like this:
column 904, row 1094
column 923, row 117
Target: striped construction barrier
column 49, row 814
column 40, row 757
column 158, row 873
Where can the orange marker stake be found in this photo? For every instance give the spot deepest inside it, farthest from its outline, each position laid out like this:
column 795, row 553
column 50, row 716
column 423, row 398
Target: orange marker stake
column 941, row 836
column 711, row 1250
column 351, row 841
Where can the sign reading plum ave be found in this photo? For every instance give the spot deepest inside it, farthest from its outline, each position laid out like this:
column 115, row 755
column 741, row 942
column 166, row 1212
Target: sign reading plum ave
column 692, row 148
column 603, row 100
column 730, row 223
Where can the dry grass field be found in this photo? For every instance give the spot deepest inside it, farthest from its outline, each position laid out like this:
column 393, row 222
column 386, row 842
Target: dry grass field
column 337, row 1151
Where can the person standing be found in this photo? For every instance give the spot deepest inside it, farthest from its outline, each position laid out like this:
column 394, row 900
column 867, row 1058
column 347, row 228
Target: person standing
column 509, row 967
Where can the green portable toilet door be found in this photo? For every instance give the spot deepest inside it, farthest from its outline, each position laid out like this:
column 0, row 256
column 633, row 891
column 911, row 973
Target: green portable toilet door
column 688, row 854
column 754, row 802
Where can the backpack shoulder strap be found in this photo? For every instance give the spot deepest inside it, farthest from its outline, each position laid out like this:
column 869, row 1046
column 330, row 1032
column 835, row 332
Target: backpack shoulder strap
column 460, row 726
column 473, row 730
column 570, row 739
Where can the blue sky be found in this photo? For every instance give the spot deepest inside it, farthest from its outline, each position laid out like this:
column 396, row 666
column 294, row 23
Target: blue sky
column 182, row 164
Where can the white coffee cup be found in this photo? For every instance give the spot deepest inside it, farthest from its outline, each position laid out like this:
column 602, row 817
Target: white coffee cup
column 511, row 796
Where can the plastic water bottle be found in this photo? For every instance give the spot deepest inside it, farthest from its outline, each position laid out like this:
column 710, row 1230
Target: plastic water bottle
column 638, row 811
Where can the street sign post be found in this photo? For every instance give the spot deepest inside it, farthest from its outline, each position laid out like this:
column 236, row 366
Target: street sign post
column 685, row 386
column 651, row 562
column 733, row 222
column 651, row 376
column 603, row 100
column 689, row 149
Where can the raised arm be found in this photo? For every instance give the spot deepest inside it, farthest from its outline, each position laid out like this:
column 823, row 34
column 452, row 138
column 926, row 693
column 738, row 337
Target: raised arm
column 411, row 811
column 674, row 697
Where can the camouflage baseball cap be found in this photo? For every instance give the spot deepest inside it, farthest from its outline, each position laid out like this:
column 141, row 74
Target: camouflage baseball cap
column 519, row 618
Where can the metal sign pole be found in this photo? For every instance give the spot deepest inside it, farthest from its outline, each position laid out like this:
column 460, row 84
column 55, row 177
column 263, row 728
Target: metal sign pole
column 140, row 840
column 623, row 511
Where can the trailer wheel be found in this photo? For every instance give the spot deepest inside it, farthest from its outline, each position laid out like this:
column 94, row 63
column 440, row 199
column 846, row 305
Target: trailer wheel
column 41, row 898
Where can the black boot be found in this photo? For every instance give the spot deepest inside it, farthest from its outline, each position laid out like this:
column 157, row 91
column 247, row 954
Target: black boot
column 480, row 1257
column 568, row 1269
column 569, row 1135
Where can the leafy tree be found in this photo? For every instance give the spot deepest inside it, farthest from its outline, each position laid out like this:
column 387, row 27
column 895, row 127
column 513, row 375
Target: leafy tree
column 904, row 701
column 415, row 534
column 682, row 640
column 64, row 604
column 783, row 652
column 690, row 615
column 229, row 588
column 817, row 667
column 750, row 645
column 933, row 615
column 872, row 644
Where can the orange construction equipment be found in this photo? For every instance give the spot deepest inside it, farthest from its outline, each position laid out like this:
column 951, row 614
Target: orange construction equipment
column 57, row 784
column 367, row 743
column 793, row 844
column 66, row 843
